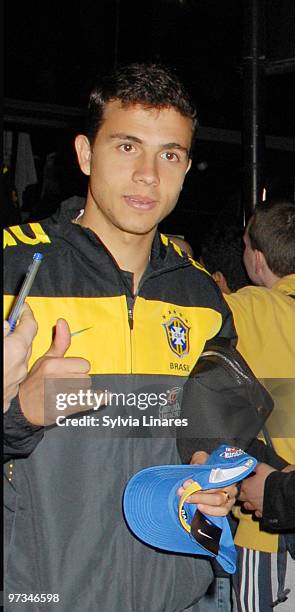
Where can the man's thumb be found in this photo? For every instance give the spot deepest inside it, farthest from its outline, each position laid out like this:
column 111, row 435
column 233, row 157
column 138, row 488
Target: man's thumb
column 61, row 341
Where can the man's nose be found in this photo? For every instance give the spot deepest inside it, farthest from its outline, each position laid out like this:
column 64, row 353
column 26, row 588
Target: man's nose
column 146, row 170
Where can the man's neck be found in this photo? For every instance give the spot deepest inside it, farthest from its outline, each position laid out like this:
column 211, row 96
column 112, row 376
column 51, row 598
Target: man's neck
column 268, row 278
column 130, row 251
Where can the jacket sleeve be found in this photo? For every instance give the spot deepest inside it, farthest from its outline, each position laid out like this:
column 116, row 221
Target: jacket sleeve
column 20, row 436
column 279, row 501
column 227, row 329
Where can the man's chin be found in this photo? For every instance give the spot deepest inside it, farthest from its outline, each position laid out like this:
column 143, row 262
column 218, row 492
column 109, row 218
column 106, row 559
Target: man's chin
column 140, row 230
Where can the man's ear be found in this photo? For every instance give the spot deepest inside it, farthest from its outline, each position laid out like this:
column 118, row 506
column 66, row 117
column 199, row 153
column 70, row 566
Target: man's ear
column 259, row 261
column 83, row 150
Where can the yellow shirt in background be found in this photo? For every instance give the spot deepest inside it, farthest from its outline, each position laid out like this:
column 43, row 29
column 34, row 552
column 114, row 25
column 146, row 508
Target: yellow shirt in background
column 265, row 324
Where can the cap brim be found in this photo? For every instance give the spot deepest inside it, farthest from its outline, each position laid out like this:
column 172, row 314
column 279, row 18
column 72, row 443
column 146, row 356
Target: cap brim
column 151, row 510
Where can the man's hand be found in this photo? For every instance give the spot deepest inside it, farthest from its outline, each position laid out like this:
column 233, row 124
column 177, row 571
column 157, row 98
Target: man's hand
column 217, row 502
column 252, row 489
column 17, row 352
column 53, row 365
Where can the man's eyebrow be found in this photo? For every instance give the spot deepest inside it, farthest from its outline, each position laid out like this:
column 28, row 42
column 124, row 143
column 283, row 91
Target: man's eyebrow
column 175, row 145
column 168, row 145
column 122, row 136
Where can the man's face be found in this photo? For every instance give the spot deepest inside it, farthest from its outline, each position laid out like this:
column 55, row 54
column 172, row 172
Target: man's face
column 137, row 166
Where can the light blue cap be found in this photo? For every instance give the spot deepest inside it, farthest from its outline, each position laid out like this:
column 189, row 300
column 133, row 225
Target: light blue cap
column 151, row 505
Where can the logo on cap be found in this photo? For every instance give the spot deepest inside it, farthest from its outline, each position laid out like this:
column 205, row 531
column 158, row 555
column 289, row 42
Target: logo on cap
column 231, row 451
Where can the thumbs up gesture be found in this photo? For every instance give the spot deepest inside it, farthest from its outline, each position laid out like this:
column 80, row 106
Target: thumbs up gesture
column 52, row 365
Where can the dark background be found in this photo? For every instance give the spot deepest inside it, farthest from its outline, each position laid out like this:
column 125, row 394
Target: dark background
column 55, row 50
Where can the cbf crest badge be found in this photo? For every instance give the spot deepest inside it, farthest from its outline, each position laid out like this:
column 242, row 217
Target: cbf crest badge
column 177, row 333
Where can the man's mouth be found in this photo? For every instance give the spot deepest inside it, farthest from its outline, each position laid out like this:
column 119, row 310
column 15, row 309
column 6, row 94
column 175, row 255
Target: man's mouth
column 140, row 202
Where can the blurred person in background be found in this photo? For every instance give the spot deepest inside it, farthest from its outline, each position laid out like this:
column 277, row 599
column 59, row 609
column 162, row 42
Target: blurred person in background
column 222, row 255
column 183, row 244
column 264, row 317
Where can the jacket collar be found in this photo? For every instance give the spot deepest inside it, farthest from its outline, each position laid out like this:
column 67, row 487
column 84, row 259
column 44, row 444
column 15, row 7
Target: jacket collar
column 164, row 255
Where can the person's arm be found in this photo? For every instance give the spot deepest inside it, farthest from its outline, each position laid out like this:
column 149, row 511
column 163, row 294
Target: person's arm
column 20, row 437
column 278, row 511
column 24, row 421
column 210, row 396
column 194, row 396
column 17, row 350
column 270, row 494
column 227, row 330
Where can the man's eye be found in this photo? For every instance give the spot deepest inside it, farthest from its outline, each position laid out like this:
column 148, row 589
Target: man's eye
column 170, row 156
column 127, row 147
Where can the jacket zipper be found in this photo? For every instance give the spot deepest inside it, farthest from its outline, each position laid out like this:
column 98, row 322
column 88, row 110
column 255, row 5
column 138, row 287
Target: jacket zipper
column 130, row 307
column 131, row 302
column 130, row 318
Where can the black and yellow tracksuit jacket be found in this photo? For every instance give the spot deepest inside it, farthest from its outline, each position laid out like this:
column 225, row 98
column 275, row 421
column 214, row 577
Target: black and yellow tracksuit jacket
column 65, row 529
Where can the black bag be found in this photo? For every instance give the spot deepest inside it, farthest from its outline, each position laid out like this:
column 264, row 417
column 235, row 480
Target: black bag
column 223, row 402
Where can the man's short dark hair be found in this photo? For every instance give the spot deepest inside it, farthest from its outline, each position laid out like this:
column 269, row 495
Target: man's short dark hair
column 151, row 85
column 222, row 251
column 271, row 230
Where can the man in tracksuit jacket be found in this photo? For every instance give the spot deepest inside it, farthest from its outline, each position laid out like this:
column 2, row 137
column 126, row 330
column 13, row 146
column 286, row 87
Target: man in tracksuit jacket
column 134, row 313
